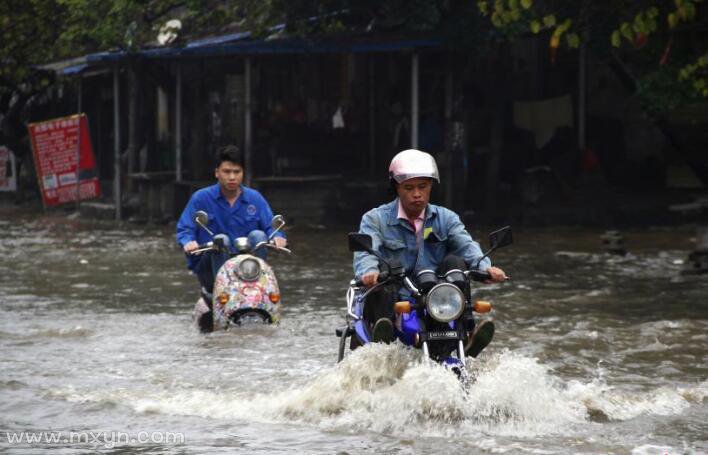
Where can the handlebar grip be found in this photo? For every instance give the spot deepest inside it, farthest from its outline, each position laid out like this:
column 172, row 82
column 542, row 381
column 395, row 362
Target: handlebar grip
column 480, row 276
column 205, row 245
column 383, row 276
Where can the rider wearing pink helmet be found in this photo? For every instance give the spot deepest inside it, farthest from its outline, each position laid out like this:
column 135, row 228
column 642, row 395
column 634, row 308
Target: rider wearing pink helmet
column 420, row 236
column 413, row 163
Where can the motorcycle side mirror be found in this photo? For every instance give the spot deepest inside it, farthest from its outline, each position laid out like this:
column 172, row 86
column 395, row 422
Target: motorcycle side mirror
column 363, row 242
column 277, row 222
column 360, row 242
column 202, row 219
column 500, row 238
column 497, row 239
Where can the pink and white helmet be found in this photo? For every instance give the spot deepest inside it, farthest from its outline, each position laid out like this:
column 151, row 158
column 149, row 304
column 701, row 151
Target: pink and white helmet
column 412, row 163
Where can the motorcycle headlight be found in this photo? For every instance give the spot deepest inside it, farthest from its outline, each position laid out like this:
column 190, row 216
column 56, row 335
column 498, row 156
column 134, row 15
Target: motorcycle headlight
column 445, row 302
column 249, row 270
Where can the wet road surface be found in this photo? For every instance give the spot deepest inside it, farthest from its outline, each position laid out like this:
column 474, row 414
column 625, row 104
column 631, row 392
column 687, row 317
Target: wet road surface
column 593, row 353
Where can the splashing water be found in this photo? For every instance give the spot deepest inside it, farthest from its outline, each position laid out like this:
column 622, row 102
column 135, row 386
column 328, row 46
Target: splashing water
column 390, row 389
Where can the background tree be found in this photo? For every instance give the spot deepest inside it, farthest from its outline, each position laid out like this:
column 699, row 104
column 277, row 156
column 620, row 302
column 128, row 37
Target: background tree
column 661, row 46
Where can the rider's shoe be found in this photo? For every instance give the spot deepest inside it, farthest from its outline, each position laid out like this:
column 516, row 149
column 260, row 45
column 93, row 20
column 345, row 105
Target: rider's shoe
column 481, row 337
column 383, row 331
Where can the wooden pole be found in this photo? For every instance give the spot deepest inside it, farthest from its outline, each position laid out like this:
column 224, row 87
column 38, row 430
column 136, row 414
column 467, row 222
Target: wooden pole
column 372, row 117
column 116, row 143
column 247, row 136
column 582, row 93
column 79, row 90
column 448, row 141
column 178, row 124
column 414, row 100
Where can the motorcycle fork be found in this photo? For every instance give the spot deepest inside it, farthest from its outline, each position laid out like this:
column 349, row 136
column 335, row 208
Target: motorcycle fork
column 461, row 353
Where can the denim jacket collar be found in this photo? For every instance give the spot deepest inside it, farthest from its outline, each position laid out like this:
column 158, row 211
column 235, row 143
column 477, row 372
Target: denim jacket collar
column 430, row 212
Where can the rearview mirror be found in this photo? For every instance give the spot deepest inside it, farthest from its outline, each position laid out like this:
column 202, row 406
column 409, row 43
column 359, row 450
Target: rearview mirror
column 277, row 222
column 359, row 242
column 500, row 238
column 201, row 218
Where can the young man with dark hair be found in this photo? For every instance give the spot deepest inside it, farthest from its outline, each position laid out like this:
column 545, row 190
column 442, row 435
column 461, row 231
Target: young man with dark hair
column 234, row 209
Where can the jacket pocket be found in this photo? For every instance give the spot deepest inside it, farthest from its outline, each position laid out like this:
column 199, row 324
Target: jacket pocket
column 393, row 249
column 393, row 244
column 436, row 247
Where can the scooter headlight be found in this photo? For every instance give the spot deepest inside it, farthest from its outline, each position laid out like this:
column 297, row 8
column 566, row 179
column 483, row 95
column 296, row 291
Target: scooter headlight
column 445, row 302
column 249, row 270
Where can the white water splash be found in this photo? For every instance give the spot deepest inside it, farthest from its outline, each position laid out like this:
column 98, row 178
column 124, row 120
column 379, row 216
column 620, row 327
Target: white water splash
column 387, row 389
column 602, row 399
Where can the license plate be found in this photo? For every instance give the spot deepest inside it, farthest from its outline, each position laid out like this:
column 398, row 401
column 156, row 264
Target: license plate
column 447, row 335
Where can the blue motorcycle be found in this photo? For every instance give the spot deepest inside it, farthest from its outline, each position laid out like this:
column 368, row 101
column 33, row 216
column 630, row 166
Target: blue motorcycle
column 439, row 315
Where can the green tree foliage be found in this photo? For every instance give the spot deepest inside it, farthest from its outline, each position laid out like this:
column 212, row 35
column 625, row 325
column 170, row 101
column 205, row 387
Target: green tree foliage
column 337, row 16
column 659, row 40
column 35, row 32
column 29, row 31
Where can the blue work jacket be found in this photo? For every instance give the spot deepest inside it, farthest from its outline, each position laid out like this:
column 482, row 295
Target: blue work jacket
column 394, row 238
column 250, row 212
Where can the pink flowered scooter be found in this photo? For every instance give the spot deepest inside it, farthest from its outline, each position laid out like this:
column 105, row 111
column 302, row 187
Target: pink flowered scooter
column 245, row 287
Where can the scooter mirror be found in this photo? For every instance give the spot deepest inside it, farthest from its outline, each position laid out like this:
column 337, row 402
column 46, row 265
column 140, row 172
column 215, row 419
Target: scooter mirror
column 277, row 222
column 201, row 218
column 500, row 238
column 359, row 242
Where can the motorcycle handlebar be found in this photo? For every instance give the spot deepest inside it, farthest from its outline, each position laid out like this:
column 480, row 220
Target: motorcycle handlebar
column 476, row 275
column 383, row 276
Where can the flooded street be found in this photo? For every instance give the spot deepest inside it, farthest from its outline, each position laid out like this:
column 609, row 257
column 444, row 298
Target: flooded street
column 593, row 353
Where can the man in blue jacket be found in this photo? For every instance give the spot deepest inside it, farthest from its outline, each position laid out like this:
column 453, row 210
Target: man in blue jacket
column 420, row 236
column 233, row 209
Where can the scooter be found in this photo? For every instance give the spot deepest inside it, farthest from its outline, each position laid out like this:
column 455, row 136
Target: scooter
column 245, row 287
column 439, row 315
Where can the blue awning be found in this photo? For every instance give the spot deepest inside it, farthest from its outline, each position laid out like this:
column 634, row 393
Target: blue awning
column 303, row 46
column 74, row 69
column 215, row 40
column 241, row 44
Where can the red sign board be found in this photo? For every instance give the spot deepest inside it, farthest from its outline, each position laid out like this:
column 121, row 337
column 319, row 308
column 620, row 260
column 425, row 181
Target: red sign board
column 57, row 157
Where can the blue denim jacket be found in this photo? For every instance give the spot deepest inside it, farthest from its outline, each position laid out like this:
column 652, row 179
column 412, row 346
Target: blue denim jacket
column 443, row 234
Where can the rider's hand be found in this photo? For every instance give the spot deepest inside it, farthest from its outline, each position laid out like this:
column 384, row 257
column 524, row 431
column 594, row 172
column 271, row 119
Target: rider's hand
column 370, row 279
column 496, row 274
column 190, row 246
column 280, row 242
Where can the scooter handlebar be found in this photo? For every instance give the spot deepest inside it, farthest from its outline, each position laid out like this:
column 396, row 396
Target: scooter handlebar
column 203, row 247
column 272, row 246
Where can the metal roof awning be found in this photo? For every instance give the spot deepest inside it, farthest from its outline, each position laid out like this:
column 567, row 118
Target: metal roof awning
column 303, row 46
column 241, row 44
